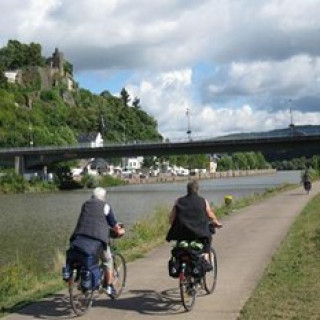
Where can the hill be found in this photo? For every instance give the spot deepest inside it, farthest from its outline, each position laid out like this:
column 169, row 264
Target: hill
column 295, row 130
column 41, row 103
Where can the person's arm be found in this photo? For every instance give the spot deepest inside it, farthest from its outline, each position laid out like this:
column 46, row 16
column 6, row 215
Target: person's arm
column 112, row 222
column 211, row 215
column 172, row 214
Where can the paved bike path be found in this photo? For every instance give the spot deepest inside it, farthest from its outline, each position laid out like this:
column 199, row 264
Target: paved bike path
column 244, row 247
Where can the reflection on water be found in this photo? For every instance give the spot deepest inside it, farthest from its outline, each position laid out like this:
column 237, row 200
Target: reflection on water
column 32, row 226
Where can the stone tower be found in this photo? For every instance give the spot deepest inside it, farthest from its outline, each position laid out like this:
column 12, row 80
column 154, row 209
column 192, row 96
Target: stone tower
column 57, row 61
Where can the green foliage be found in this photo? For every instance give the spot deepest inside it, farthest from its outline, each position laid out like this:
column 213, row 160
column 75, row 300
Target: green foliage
column 125, row 97
column 68, row 67
column 12, row 182
column 57, row 116
column 225, row 164
column 89, row 181
column 199, row 161
column 48, row 95
column 242, row 161
column 3, row 78
column 17, row 55
column 108, row 181
column 298, row 164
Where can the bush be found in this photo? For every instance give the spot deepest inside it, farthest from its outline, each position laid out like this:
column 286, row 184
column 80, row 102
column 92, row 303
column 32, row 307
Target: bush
column 108, row 181
column 89, row 181
column 12, row 182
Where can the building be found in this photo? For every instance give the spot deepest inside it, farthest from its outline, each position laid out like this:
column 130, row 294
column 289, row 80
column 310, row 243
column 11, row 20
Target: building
column 13, row 76
column 92, row 139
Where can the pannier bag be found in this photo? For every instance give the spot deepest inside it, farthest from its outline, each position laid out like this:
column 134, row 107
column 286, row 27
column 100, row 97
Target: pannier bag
column 87, row 264
column 174, row 267
column 193, row 250
column 90, row 278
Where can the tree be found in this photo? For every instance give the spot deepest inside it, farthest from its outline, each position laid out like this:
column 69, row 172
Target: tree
column 125, row 97
column 261, row 161
column 225, row 163
column 34, row 57
column 136, row 103
column 3, row 79
column 252, row 160
column 68, row 67
column 239, row 161
column 106, row 94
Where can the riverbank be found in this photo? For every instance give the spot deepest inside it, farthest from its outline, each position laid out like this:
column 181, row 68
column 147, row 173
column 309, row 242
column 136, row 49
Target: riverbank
column 290, row 287
column 23, row 283
column 163, row 177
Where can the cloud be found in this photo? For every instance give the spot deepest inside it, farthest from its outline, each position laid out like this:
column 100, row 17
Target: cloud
column 238, row 64
column 272, row 81
column 167, row 97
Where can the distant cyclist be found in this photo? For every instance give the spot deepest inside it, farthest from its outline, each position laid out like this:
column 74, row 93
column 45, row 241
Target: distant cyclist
column 95, row 218
column 306, row 180
column 189, row 218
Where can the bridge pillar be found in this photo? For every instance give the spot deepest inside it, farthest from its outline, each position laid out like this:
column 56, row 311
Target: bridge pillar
column 19, row 164
column 45, row 173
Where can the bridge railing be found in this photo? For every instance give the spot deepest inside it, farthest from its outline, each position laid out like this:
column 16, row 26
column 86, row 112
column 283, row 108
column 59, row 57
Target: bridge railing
column 244, row 136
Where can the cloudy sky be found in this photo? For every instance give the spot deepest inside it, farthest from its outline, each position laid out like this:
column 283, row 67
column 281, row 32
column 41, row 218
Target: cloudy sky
column 237, row 65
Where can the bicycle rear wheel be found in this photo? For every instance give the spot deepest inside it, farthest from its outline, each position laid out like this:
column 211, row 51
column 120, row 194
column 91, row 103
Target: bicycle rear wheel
column 80, row 300
column 119, row 273
column 210, row 277
column 187, row 291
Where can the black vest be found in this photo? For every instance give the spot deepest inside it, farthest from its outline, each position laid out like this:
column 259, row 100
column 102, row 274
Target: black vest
column 191, row 220
column 92, row 221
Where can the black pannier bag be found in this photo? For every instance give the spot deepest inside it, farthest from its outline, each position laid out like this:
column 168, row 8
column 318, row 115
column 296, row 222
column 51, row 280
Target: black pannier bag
column 174, row 267
column 196, row 265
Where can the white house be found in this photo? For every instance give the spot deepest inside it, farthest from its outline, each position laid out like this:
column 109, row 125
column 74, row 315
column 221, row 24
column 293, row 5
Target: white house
column 93, row 139
column 134, row 163
column 12, row 76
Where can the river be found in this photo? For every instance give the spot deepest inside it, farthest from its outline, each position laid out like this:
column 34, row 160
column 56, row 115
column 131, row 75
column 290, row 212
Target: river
column 33, row 226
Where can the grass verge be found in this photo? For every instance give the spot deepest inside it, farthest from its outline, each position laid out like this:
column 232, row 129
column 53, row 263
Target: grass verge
column 144, row 236
column 290, row 287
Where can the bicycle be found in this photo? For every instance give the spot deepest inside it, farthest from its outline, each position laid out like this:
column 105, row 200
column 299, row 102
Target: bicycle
column 307, row 186
column 82, row 285
column 194, row 272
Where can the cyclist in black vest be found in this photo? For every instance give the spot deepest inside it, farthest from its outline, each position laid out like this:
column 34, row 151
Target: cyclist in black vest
column 96, row 217
column 189, row 218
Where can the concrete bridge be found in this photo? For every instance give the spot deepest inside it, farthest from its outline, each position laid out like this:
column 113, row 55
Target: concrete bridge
column 40, row 157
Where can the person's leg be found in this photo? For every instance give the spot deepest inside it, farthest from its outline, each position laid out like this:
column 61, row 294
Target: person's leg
column 107, row 260
column 206, row 251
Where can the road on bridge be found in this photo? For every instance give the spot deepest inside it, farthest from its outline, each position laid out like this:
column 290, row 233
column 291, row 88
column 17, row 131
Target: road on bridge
column 244, row 245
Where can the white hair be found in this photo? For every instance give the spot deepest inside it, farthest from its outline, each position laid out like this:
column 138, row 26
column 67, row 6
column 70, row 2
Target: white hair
column 99, row 193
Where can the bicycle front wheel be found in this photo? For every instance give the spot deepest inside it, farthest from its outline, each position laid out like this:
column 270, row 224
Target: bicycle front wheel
column 187, row 291
column 119, row 273
column 210, row 277
column 80, row 300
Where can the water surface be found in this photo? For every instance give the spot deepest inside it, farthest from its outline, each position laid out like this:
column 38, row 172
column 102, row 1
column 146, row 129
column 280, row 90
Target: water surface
column 33, row 226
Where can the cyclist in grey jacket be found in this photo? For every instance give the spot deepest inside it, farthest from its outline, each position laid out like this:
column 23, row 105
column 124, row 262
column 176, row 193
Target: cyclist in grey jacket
column 95, row 218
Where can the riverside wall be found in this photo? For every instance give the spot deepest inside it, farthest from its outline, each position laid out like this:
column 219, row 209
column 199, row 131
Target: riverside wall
column 165, row 178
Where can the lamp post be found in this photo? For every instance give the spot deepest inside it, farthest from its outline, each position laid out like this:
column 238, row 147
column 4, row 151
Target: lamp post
column 291, row 119
column 189, row 124
column 30, row 136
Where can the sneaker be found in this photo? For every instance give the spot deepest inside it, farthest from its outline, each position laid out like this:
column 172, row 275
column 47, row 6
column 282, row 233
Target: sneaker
column 110, row 291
